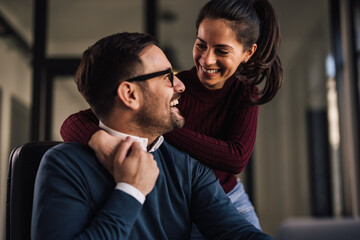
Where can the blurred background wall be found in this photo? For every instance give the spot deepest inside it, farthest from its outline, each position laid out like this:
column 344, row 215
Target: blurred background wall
column 306, row 157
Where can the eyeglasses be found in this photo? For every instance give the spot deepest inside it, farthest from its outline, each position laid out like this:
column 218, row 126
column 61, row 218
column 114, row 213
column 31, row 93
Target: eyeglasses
column 152, row 75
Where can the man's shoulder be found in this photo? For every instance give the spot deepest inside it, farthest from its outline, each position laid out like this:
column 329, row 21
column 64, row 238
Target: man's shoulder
column 180, row 158
column 69, row 153
column 68, row 145
column 67, row 148
column 167, row 148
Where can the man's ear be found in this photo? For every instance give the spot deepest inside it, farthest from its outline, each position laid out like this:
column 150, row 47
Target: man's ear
column 128, row 94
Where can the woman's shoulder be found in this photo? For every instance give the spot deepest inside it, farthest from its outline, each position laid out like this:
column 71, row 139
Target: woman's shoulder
column 192, row 84
column 238, row 88
column 187, row 75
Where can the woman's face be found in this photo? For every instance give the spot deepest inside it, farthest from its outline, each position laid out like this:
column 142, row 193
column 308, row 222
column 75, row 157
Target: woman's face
column 217, row 53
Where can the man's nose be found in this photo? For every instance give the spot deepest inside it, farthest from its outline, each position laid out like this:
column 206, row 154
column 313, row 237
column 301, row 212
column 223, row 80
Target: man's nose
column 178, row 85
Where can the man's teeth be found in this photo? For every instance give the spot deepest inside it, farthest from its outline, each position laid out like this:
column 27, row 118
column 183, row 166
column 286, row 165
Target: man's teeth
column 210, row 70
column 174, row 103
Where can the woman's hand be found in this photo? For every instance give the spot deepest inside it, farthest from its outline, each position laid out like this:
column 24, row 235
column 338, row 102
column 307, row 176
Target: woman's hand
column 105, row 147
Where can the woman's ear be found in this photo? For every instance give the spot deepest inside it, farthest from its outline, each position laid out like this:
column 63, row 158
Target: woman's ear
column 128, row 94
column 250, row 52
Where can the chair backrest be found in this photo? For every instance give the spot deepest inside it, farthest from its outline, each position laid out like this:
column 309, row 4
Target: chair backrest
column 23, row 165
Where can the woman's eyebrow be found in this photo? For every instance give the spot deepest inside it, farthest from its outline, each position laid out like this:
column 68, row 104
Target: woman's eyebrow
column 217, row 45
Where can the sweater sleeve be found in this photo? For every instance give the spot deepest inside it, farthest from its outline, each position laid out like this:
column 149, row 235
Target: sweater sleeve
column 63, row 208
column 230, row 154
column 79, row 127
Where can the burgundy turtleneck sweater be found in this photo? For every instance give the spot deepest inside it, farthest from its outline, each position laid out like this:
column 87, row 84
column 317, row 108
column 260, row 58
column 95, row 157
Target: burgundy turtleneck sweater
column 219, row 130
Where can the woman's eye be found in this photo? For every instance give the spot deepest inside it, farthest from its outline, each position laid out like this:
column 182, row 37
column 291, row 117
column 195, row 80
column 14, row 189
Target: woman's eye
column 222, row 52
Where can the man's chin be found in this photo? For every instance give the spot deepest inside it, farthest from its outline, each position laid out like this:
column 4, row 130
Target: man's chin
column 179, row 123
column 177, row 119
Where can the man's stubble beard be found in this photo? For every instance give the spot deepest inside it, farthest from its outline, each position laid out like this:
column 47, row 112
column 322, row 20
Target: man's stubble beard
column 151, row 122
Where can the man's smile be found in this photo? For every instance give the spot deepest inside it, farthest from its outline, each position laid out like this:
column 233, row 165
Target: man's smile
column 173, row 103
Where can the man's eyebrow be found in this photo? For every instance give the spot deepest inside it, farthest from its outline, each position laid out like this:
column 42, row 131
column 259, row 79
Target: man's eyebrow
column 217, row 45
column 200, row 40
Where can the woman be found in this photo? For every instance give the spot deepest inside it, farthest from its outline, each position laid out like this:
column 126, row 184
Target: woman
column 236, row 49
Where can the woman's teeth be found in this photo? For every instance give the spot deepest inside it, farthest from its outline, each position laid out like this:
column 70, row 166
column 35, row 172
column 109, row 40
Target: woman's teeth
column 174, row 103
column 211, row 71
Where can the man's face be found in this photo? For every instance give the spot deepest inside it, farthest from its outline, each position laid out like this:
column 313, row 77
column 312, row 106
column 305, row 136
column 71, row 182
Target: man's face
column 158, row 113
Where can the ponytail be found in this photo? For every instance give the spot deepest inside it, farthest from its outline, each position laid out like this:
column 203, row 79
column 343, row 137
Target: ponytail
column 264, row 67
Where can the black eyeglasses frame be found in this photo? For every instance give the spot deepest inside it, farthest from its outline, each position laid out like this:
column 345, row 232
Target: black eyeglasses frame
column 152, row 75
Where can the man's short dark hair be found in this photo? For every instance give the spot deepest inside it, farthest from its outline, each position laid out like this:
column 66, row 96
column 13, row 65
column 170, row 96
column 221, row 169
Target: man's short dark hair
column 105, row 64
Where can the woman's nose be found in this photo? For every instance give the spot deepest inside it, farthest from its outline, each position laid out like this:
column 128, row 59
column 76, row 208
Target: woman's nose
column 209, row 58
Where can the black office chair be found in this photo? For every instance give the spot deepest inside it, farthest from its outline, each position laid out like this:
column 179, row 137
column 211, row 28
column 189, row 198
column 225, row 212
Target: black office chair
column 23, row 165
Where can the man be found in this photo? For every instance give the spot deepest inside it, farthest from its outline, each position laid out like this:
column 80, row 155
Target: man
column 129, row 84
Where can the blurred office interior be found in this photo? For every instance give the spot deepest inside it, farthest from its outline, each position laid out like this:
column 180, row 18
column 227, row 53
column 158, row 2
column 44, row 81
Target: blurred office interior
column 306, row 159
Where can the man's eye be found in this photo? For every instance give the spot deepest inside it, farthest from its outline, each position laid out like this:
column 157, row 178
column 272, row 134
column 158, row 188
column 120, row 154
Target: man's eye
column 168, row 78
column 201, row 46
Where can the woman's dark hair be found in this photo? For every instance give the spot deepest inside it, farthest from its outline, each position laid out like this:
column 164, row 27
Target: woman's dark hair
column 105, row 64
column 252, row 21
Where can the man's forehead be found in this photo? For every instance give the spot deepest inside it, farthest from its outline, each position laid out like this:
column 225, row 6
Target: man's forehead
column 154, row 59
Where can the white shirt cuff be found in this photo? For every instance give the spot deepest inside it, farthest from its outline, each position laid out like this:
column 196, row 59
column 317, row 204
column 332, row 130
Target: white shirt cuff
column 131, row 190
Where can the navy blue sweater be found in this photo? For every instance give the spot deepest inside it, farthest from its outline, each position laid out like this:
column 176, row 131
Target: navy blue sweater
column 75, row 198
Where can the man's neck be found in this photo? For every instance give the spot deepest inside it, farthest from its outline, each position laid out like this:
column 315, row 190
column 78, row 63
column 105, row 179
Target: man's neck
column 123, row 121
column 146, row 143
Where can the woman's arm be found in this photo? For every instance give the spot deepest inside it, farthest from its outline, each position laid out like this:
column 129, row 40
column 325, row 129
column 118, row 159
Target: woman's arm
column 83, row 127
column 230, row 154
column 79, row 127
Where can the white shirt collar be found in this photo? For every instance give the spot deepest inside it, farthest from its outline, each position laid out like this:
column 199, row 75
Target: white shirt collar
column 142, row 141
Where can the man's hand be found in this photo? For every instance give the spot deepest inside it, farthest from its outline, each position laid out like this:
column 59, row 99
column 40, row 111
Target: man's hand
column 135, row 166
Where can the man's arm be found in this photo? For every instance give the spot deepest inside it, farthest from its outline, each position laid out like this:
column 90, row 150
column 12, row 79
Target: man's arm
column 74, row 198
column 213, row 212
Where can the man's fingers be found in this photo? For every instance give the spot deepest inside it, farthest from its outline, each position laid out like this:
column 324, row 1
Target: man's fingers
column 123, row 149
column 135, row 149
column 138, row 152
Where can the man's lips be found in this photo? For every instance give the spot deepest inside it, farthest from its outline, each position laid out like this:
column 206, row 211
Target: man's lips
column 175, row 99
